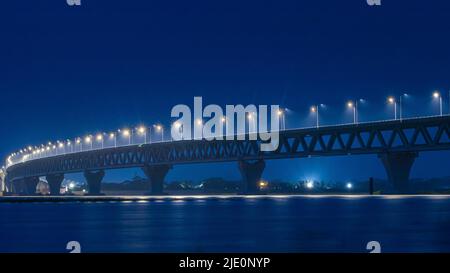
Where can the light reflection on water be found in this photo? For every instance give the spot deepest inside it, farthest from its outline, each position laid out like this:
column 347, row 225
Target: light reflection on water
column 230, row 224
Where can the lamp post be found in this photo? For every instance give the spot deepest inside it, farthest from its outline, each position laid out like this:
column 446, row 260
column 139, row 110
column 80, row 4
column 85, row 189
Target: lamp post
column 353, row 105
column 78, row 141
column 252, row 119
column 88, row 140
column 160, row 128
column 437, row 95
column 315, row 109
column 391, row 100
column 199, row 124
column 100, row 139
column 127, row 133
column 114, row 138
column 143, row 131
column 282, row 116
column 69, row 143
column 224, row 125
column 178, row 126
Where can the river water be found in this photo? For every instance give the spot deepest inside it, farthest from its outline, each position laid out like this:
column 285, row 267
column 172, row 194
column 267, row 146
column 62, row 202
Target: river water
column 231, row 224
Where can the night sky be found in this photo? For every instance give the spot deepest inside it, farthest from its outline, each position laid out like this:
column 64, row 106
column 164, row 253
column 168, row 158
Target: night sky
column 70, row 71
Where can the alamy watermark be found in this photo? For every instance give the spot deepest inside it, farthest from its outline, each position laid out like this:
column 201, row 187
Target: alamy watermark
column 238, row 122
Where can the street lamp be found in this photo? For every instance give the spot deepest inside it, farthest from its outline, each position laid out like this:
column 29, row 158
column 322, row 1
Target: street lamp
column 78, row 141
column 127, row 133
column 401, row 104
column 251, row 122
column 69, row 143
column 178, row 126
column 114, row 138
column 354, row 105
column 160, row 128
column 61, row 146
column 88, row 140
column 437, row 95
column 315, row 109
column 224, row 125
column 100, row 139
column 282, row 116
column 143, row 131
column 199, row 124
column 391, row 100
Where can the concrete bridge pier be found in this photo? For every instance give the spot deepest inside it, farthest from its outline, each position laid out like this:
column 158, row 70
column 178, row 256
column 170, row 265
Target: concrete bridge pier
column 31, row 185
column 18, row 186
column 94, row 181
column 251, row 173
column 156, row 175
column 398, row 166
column 14, row 187
column 54, row 182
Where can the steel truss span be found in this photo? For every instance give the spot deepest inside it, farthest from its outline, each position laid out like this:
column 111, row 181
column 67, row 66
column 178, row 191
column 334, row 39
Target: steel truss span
column 395, row 137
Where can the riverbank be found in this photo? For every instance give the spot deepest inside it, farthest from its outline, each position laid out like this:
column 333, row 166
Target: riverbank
column 145, row 198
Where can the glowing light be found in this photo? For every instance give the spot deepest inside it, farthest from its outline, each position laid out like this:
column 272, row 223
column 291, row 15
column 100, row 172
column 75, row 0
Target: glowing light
column 177, row 124
column 313, row 109
column 158, row 127
column 78, row 141
column 391, row 100
column 199, row 122
column 436, row 94
column 72, row 185
column 112, row 135
column 141, row 129
column 126, row 132
column 310, row 184
column 350, row 104
column 280, row 112
column 61, row 145
column 349, row 185
column 263, row 184
column 99, row 137
column 88, row 139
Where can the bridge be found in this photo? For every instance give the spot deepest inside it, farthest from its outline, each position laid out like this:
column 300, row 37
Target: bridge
column 396, row 142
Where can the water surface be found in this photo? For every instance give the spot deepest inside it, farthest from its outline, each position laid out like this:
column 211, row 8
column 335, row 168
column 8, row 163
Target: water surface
column 238, row 224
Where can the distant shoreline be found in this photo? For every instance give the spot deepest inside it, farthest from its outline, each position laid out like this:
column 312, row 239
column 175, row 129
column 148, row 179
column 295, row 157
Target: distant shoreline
column 144, row 198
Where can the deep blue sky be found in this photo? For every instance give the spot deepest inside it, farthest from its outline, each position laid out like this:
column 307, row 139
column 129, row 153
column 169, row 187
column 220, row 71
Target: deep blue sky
column 68, row 71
